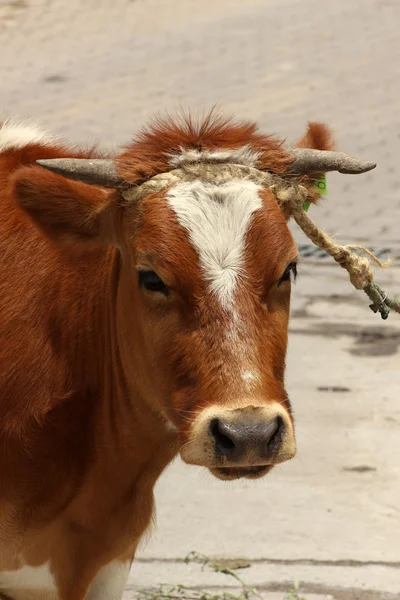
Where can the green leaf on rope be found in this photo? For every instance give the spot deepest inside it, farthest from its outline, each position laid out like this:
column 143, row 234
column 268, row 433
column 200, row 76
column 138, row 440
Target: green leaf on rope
column 320, row 188
column 320, row 184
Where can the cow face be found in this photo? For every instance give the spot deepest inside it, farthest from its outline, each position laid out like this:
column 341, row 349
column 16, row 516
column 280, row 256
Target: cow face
column 200, row 284
column 207, row 273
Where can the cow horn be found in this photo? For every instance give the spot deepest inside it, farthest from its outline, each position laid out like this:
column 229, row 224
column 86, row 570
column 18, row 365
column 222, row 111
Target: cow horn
column 96, row 171
column 307, row 160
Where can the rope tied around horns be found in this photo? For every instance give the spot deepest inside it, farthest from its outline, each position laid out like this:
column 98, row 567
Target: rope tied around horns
column 291, row 196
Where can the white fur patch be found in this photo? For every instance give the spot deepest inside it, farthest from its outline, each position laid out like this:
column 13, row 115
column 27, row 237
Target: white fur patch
column 14, row 135
column 217, row 218
column 28, row 578
column 110, row 582
column 249, row 377
column 240, row 156
column 169, row 426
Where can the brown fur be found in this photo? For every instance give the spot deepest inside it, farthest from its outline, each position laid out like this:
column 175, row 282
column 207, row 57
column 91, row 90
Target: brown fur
column 149, row 153
column 91, row 366
column 317, row 136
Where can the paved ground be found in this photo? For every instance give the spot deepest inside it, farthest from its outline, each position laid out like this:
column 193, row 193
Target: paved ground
column 97, row 70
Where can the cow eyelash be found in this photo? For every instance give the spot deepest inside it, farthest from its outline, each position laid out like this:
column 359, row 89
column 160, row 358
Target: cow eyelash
column 290, row 274
column 151, row 282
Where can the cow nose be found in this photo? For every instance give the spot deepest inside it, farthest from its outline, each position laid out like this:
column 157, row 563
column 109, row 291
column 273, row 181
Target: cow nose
column 234, row 439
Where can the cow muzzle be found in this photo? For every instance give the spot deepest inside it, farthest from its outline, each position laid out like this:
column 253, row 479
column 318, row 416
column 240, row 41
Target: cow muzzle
column 242, row 442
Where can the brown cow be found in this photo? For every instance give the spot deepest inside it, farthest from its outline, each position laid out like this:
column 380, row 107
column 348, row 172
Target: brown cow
column 135, row 323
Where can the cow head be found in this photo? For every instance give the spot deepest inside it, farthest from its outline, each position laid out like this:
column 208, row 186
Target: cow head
column 203, row 294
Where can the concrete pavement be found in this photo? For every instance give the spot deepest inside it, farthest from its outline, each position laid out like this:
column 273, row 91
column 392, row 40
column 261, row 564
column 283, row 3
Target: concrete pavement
column 97, row 70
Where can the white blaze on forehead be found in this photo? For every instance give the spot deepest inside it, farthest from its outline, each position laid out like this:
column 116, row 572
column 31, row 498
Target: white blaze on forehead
column 217, row 218
column 14, row 135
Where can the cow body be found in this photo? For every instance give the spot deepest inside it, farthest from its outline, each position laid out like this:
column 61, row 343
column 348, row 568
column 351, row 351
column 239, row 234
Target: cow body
column 101, row 384
column 65, row 472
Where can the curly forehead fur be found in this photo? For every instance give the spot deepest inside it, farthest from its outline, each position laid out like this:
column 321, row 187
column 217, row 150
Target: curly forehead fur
column 154, row 148
column 163, row 144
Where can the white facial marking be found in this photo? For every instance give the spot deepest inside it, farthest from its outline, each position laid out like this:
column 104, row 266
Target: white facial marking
column 241, row 156
column 235, row 326
column 110, row 581
column 28, row 578
column 14, row 135
column 217, row 218
column 249, row 377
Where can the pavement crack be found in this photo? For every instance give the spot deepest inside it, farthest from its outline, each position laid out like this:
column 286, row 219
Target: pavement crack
column 292, row 562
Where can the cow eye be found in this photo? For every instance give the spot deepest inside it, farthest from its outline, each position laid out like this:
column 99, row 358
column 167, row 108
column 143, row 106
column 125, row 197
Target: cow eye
column 290, row 273
column 152, row 282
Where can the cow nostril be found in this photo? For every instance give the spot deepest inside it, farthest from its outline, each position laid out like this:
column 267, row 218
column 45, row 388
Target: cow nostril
column 275, row 432
column 222, row 441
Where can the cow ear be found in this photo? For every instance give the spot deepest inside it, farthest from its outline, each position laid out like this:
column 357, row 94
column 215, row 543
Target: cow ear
column 66, row 211
column 318, row 137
